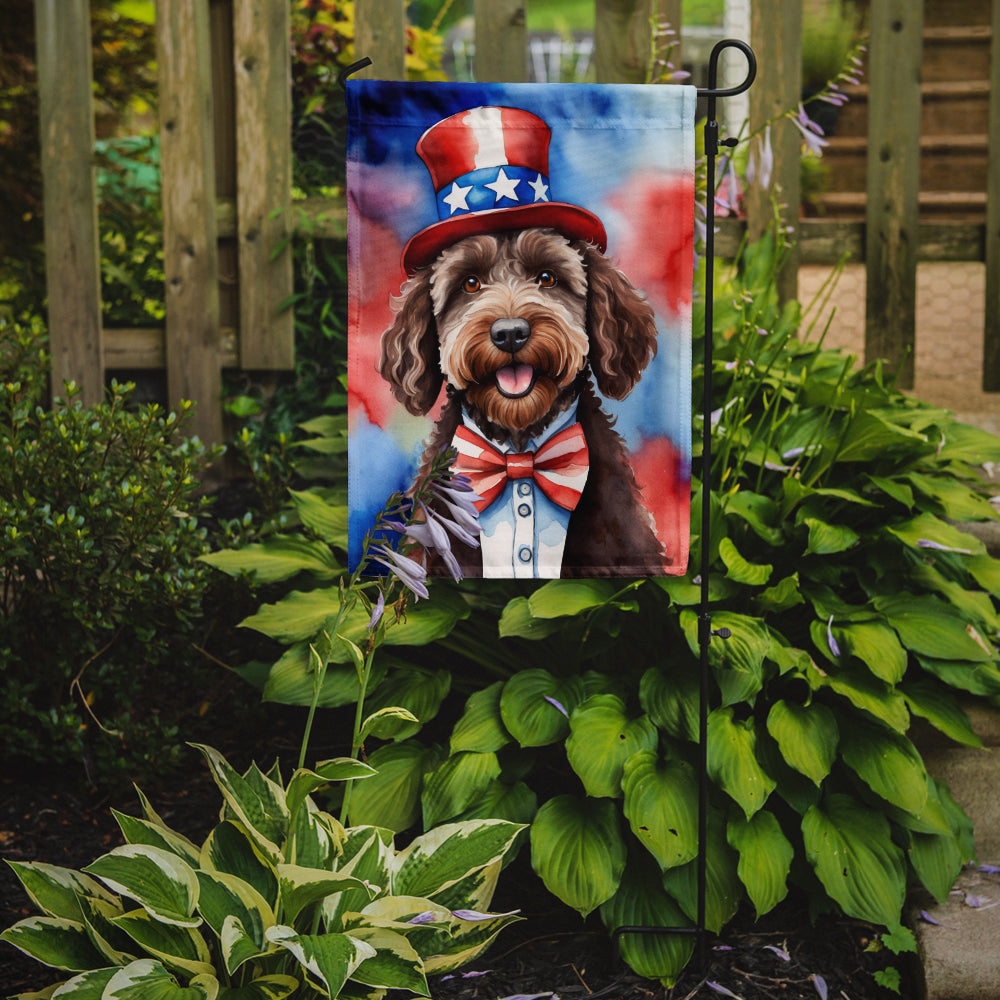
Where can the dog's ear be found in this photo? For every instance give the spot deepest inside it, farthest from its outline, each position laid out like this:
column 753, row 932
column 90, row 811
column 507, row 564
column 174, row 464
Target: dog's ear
column 409, row 359
column 620, row 327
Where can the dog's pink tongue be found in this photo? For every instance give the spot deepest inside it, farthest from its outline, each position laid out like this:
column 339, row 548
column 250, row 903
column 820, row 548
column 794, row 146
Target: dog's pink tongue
column 515, row 379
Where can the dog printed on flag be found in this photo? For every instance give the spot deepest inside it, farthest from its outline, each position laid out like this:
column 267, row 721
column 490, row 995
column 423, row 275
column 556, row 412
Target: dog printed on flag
column 520, row 277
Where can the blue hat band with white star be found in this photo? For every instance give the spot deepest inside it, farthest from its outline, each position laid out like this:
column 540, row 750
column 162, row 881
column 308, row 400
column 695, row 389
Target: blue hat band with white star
column 492, row 187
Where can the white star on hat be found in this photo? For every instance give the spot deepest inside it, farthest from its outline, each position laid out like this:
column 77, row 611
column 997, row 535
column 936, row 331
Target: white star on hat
column 504, row 187
column 540, row 188
column 455, row 199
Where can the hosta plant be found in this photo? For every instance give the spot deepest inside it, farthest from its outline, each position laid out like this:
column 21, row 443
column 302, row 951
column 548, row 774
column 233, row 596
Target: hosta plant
column 279, row 900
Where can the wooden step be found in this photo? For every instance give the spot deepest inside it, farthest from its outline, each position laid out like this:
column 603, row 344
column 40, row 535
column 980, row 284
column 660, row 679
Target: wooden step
column 956, row 53
column 958, row 206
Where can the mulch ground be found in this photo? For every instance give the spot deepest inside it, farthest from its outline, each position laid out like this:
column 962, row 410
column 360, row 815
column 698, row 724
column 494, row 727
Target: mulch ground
column 550, row 953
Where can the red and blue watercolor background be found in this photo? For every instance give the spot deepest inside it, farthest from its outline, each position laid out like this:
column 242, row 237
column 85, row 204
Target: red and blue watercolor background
column 625, row 153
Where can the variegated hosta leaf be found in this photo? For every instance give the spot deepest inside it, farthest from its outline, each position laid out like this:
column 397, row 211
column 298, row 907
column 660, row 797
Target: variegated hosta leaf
column 642, row 902
column 441, row 857
column 56, row 891
column 535, row 706
column 147, row 979
column 732, row 760
column 300, row 887
column 367, row 853
column 116, row 947
column 328, row 959
column 765, row 858
column 54, row 941
column 315, row 838
column 225, row 897
column 177, row 947
column 481, row 727
column 395, row 964
column 230, row 849
column 158, row 880
column 602, row 737
column 578, row 851
column 86, row 986
column 256, row 801
column 304, row 782
column 850, row 847
column 475, row 891
column 456, row 784
column 661, row 800
column 141, row 831
column 468, row 939
column 275, row 987
column 807, row 736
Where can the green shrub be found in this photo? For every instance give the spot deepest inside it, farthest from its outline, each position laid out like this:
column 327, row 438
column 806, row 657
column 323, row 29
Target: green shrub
column 279, row 900
column 101, row 584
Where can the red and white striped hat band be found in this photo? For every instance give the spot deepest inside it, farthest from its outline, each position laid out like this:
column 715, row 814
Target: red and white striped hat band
column 490, row 170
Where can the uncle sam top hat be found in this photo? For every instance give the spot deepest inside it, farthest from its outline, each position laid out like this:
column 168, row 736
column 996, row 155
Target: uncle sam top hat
column 490, row 170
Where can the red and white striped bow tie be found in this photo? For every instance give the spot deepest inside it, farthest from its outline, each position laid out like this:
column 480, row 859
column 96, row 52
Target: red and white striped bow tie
column 559, row 467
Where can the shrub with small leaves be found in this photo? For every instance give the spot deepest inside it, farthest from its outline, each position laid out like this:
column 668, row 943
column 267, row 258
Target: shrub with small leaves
column 100, row 579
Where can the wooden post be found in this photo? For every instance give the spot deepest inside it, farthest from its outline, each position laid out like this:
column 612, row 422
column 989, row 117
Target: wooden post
column 72, row 255
column 623, row 39
column 991, row 333
column 262, row 61
column 776, row 35
column 190, row 253
column 380, row 34
column 892, row 215
column 501, row 41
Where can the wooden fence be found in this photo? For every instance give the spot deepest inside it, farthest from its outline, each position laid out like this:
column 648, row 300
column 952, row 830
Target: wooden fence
column 226, row 161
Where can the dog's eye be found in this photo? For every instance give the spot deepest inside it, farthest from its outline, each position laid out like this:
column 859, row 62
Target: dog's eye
column 471, row 284
column 547, row 279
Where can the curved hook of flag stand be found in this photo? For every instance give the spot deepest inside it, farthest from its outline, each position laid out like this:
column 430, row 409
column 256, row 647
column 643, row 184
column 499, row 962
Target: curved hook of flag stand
column 705, row 631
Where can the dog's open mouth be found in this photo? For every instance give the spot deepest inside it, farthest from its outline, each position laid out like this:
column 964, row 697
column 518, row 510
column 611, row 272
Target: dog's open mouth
column 515, row 381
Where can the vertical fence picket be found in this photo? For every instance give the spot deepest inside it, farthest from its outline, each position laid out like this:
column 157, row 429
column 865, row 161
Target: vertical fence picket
column 190, row 252
column 991, row 331
column 501, row 41
column 262, row 63
column 621, row 40
column 72, row 257
column 380, row 34
column 892, row 216
column 776, row 34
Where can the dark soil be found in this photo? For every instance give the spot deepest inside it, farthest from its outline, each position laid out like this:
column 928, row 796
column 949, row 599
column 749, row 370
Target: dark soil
column 551, row 952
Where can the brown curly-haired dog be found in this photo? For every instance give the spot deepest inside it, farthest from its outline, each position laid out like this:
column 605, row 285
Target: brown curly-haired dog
column 515, row 323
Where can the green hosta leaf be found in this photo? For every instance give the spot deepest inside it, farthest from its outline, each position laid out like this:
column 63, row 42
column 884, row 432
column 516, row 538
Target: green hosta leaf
column 602, row 738
column 641, row 901
column 828, row 539
column 456, row 784
column 765, row 858
column 292, row 681
column 937, row 859
column 481, row 728
column 986, row 572
column 275, row 987
column 738, row 661
column 671, row 700
column 260, row 809
column 758, row 511
column 559, row 598
column 387, row 723
column 54, row 941
column 230, row 849
column 180, row 948
column 147, row 979
column 888, row 763
column 807, row 736
column 279, row 558
column 530, row 706
column 301, row 887
column 783, row 595
column 957, row 501
column 661, row 799
column 443, row 856
column 516, row 803
column 723, row 889
column 976, row 678
column 965, row 443
column 517, row 620
column 327, row 520
column 870, row 436
column 941, row 709
column 975, row 605
column 931, row 628
column 850, row 848
column 738, row 569
column 578, row 851
column 876, row 646
column 395, row 964
column 732, row 760
column 159, row 881
column 928, row 528
column 330, row 959
column 141, row 831
column 391, row 798
column 226, row 898
column 864, row 691
column 893, row 488
column 56, row 891
column 418, row 691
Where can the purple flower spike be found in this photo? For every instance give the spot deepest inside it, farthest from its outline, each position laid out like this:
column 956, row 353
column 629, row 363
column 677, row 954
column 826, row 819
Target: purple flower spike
column 558, row 705
column 409, row 571
column 377, row 612
column 834, row 648
column 927, row 543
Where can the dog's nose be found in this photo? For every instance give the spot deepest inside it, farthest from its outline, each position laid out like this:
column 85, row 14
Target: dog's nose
column 510, row 334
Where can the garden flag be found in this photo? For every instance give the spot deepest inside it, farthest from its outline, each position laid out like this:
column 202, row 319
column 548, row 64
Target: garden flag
column 520, row 276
